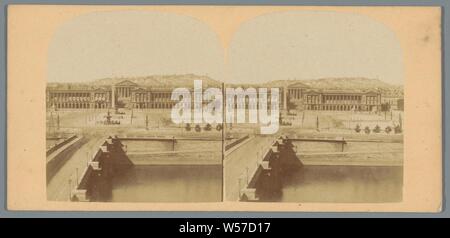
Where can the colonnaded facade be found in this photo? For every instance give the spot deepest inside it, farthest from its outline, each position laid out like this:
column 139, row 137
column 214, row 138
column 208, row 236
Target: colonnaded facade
column 127, row 94
column 303, row 97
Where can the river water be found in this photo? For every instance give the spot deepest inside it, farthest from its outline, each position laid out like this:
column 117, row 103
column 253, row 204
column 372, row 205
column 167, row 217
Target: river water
column 344, row 184
column 310, row 184
column 168, row 183
column 203, row 183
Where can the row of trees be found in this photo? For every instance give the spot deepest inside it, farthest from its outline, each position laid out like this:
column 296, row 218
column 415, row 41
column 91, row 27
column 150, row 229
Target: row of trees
column 377, row 129
column 207, row 127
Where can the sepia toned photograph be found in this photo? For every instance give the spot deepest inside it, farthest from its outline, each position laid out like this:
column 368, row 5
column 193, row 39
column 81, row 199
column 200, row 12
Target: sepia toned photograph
column 232, row 108
column 338, row 138
column 335, row 144
column 110, row 135
column 113, row 140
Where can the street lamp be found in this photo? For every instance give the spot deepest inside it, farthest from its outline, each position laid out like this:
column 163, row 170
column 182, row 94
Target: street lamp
column 70, row 189
column 246, row 174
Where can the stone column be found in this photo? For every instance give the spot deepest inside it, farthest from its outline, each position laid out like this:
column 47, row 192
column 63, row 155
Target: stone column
column 285, row 98
column 113, row 97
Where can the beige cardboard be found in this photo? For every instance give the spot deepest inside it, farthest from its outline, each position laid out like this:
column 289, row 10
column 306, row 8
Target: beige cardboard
column 30, row 30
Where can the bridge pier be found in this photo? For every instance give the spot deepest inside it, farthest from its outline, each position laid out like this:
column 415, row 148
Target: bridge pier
column 266, row 182
column 96, row 181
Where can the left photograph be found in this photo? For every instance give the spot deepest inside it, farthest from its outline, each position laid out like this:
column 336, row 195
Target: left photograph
column 110, row 136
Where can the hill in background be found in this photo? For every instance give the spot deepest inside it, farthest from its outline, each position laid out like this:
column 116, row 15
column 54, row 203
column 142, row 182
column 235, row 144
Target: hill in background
column 345, row 84
column 186, row 80
column 176, row 80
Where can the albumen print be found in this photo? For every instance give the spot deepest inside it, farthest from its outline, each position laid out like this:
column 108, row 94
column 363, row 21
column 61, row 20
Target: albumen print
column 258, row 106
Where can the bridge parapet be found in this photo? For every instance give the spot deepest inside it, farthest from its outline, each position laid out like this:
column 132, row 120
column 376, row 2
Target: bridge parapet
column 57, row 155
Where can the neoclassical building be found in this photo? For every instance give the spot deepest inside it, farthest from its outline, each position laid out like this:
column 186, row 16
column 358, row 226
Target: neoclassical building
column 127, row 94
column 303, row 97
column 78, row 97
column 130, row 95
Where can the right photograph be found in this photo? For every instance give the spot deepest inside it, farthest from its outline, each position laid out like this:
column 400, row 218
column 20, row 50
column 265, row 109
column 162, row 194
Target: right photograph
column 314, row 110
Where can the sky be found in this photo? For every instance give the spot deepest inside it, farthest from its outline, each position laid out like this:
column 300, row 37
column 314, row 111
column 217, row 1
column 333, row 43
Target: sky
column 274, row 46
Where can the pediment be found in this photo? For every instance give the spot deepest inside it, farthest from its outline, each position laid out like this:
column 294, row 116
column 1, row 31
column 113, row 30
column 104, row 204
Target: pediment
column 298, row 85
column 126, row 83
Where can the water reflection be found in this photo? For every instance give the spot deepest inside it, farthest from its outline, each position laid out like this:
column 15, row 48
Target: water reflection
column 344, row 184
column 153, row 183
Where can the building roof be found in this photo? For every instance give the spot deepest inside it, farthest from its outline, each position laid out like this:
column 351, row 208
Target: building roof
column 341, row 91
column 101, row 89
column 140, row 89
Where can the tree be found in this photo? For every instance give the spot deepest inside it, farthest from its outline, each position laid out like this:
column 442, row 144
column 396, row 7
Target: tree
column 219, row 127
column 377, row 129
column 388, row 129
column 198, row 128
column 367, row 130
column 208, row 127
column 357, row 128
column 188, row 127
column 397, row 129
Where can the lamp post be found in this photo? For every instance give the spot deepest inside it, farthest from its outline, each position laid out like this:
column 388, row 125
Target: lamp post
column 239, row 187
column 70, row 189
column 76, row 176
column 57, row 122
column 246, row 174
column 131, row 117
